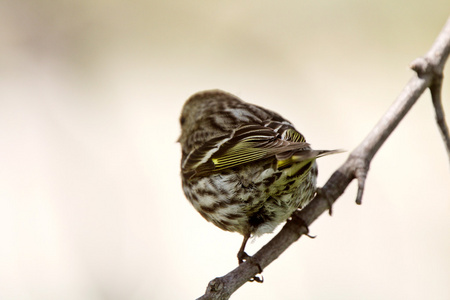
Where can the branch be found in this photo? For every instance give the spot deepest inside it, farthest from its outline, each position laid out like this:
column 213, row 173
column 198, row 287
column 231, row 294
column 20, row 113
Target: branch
column 432, row 64
column 429, row 75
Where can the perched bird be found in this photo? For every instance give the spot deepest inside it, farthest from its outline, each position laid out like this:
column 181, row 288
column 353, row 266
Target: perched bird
column 244, row 168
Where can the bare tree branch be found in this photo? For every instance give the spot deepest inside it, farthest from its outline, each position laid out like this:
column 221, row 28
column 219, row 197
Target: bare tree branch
column 432, row 65
column 429, row 75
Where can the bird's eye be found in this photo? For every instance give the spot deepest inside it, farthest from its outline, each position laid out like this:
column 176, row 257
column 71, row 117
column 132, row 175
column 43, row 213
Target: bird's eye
column 182, row 120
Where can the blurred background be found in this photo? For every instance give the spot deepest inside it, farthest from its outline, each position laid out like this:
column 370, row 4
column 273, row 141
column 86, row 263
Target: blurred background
column 91, row 205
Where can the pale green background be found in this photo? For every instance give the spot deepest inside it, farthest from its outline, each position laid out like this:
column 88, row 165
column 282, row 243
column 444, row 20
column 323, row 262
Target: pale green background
column 91, row 205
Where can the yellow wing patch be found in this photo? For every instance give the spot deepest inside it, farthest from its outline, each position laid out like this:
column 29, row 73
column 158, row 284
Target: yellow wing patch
column 248, row 144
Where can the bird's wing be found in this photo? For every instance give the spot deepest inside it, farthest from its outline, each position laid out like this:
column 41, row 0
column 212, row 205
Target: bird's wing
column 246, row 144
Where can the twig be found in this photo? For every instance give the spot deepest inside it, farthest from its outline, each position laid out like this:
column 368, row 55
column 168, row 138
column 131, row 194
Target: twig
column 430, row 65
column 435, row 90
column 429, row 75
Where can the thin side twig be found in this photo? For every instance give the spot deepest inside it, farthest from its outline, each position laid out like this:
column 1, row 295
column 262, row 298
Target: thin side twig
column 428, row 69
column 440, row 117
column 435, row 90
column 430, row 64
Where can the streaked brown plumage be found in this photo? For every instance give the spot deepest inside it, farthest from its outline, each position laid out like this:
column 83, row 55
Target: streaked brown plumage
column 244, row 168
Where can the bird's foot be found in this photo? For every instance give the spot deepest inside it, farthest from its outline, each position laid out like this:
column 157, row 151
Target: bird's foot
column 244, row 257
column 320, row 191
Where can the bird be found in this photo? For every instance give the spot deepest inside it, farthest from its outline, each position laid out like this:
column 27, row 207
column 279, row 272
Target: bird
column 244, row 168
